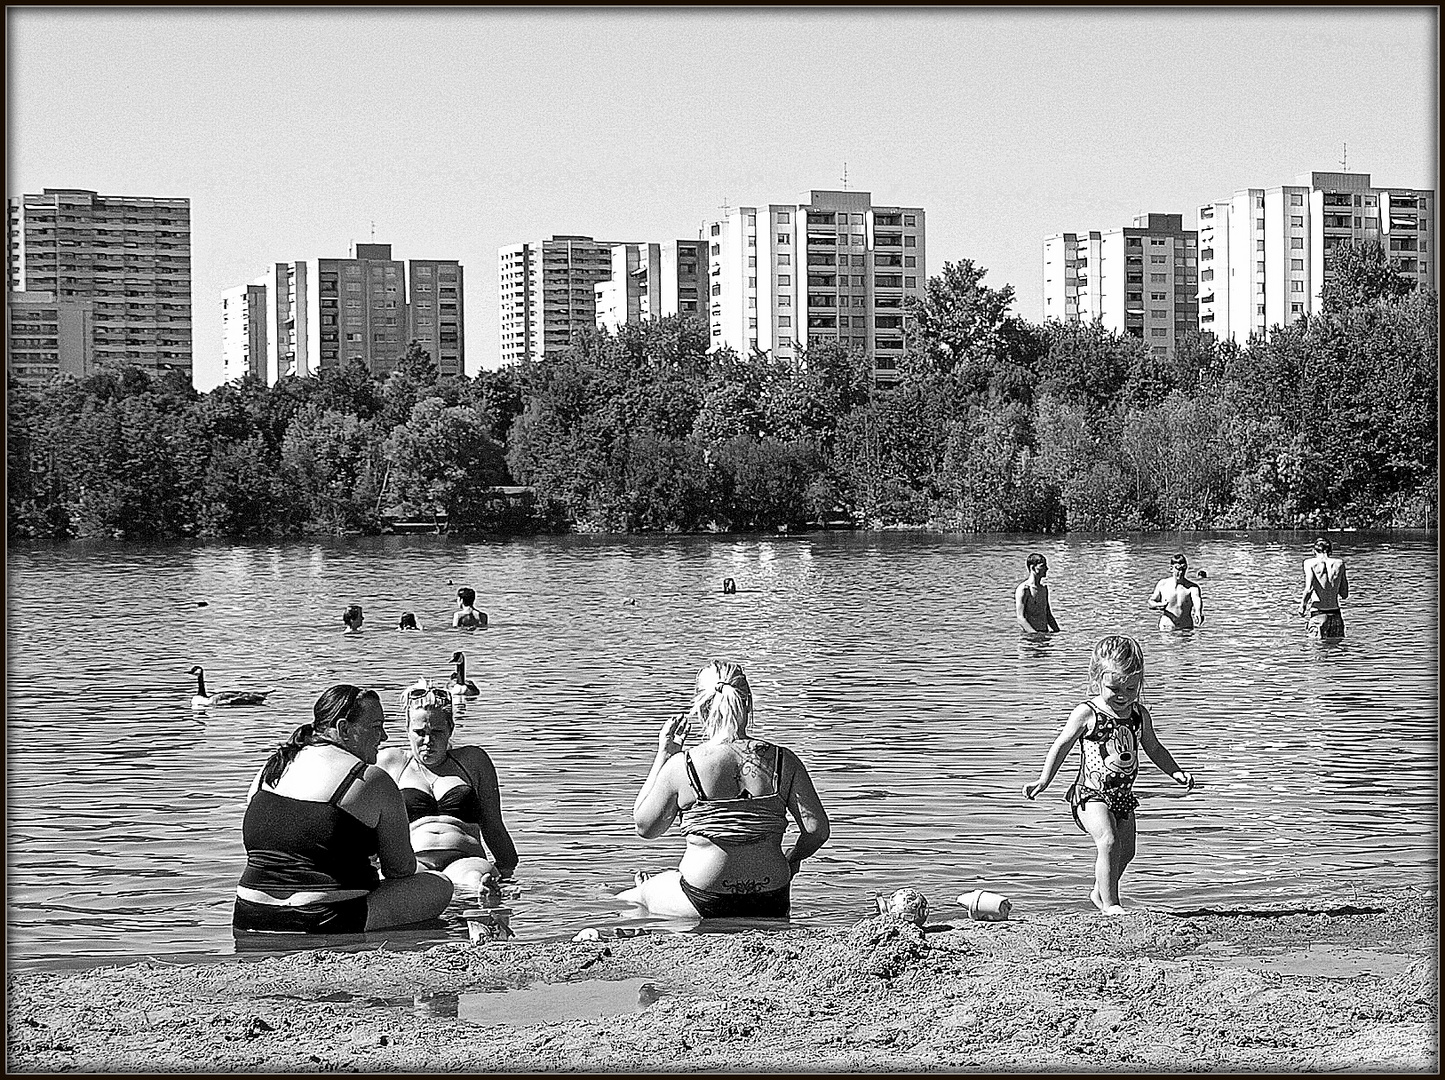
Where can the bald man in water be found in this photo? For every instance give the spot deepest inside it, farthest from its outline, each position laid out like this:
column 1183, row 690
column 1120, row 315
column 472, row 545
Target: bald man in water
column 1325, row 586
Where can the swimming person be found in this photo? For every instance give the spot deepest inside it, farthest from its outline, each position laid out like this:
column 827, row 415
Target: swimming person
column 408, row 621
column 734, row 795
column 316, row 813
column 352, row 617
column 453, row 801
column 1177, row 599
column 467, row 616
column 1325, row 586
column 1110, row 728
column 1031, row 598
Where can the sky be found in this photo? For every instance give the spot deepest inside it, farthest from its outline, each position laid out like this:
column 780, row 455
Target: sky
column 452, row 132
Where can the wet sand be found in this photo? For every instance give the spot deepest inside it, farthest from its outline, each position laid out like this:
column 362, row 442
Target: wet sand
column 1349, row 983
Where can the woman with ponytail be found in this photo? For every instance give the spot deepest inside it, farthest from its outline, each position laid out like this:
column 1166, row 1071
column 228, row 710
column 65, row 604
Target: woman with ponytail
column 734, row 795
column 316, row 814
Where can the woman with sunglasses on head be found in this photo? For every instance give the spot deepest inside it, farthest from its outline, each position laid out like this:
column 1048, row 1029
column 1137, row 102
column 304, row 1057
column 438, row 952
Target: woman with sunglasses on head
column 316, row 814
column 452, row 798
column 734, row 795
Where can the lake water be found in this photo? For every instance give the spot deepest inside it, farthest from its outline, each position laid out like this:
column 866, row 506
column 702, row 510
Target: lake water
column 890, row 662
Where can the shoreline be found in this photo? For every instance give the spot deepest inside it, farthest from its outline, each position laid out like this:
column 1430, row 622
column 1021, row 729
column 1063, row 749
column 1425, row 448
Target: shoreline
column 1344, row 983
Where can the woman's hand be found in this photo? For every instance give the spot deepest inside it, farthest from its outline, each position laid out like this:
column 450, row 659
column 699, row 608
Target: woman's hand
column 1034, row 788
column 1184, row 779
column 669, row 740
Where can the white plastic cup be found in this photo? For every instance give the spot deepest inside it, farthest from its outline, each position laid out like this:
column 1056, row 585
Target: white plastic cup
column 985, row 906
column 488, row 924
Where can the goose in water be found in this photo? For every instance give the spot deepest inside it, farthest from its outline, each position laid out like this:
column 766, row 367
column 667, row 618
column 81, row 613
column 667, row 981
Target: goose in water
column 461, row 686
column 204, row 700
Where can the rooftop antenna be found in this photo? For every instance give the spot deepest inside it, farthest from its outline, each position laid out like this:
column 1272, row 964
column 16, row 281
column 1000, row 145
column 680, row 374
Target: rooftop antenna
column 373, row 232
column 1345, row 157
column 725, row 208
column 845, row 176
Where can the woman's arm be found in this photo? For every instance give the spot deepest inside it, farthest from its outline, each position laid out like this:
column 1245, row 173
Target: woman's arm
column 489, row 795
column 655, row 808
column 1160, row 755
column 808, row 814
column 1073, row 728
column 393, row 831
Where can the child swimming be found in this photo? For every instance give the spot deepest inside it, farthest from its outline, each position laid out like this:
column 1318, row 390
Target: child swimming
column 1109, row 728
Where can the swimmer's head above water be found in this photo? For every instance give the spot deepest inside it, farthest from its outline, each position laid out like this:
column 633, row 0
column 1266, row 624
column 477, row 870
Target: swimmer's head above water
column 1037, row 560
column 1323, row 546
column 466, row 597
column 408, row 621
column 352, row 618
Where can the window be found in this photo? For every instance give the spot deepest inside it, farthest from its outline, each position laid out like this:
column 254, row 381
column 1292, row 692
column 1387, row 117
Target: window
column 784, row 280
column 785, row 301
column 716, row 249
column 1259, row 309
column 785, row 259
column 752, row 324
column 857, row 219
column 858, row 239
column 717, row 289
column 1158, row 313
column 910, row 260
column 1297, row 243
column 784, row 238
column 1158, row 296
column 1296, row 286
column 1259, row 245
column 785, row 217
column 1158, row 279
column 752, row 260
column 1158, row 331
column 1296, row 309
column 1357, row 220
column 353, row 286
column 1296, row 199
column 910, row 241
column 1158, row 258
column 1259, row 268
column 716, row 230
column 910, row 221
column 1296, row 264
column 785, row 320
column 1296, row 221
column 752, row 241
column 752, row 301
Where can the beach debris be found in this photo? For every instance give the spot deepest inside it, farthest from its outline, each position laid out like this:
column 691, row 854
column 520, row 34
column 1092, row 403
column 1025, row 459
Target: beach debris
column 908, row 904
column 985, row 906
column 589, row 934
column 488, row 924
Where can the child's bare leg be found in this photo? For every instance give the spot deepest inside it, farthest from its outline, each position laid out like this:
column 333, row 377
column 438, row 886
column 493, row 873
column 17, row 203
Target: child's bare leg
column 1100, row 825
column 1125, row 837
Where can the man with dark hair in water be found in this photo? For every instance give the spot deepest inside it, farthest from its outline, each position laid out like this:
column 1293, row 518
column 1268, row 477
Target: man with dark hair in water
column 1325, row 586
column 467, row 616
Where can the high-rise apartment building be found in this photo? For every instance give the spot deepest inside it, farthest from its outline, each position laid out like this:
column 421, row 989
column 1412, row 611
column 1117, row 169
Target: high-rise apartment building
column 45, row 336
column 243, row 333
column 360, row 310
column 548, row 293
column 652, row 281
column 288, row 319
column 436, row 309
column 790, row 276
column 1264, row 252
column 129, row 256
column 1140, row 280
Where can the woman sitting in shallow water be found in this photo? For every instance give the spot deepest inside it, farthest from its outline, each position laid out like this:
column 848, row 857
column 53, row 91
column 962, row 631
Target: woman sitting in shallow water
column 452, row 798
column 734, row 795
column 316, row 814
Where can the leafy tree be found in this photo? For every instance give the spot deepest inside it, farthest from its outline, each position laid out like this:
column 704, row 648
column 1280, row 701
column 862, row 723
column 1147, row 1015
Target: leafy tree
column 1361, row 276
column 443, row 457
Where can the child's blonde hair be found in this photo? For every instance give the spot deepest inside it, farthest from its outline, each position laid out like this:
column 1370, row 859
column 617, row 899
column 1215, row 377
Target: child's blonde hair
column 1117, row 652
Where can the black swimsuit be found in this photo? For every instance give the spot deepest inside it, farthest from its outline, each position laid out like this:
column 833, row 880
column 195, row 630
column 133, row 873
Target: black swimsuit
column 459, row 801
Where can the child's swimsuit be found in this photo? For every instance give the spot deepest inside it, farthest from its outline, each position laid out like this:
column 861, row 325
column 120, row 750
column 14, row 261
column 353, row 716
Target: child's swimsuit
column 747, row 819
column 1108, row 763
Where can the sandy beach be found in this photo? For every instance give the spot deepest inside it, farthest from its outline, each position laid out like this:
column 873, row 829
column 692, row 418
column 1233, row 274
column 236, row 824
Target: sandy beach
column 1349, row 983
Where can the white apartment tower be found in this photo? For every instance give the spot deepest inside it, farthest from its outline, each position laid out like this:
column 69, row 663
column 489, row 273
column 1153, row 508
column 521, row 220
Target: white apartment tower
column 1140, row 280
column 790, row 276
column 653, row 281
column 288, row 320
column 1264, row 252
column 128, row 256
column 243, row 333
column 548, row 293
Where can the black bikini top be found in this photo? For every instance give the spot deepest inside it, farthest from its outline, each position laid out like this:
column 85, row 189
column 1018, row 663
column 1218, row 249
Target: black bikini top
column 459, row 801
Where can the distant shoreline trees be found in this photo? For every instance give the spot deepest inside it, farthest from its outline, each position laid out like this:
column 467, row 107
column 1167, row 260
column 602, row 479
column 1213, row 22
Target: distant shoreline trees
column 994, row 425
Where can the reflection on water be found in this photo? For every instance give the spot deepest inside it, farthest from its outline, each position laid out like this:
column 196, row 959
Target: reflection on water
column 891, row 663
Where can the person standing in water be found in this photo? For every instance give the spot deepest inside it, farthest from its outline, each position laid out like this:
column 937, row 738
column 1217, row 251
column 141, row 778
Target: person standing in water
column 1031, row 599
column 467, row 616
column 1325, row 586
column 1110, row 728
column 1177, row 599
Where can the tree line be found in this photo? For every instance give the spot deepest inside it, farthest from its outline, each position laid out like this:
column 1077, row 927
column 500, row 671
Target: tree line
column 994, row 424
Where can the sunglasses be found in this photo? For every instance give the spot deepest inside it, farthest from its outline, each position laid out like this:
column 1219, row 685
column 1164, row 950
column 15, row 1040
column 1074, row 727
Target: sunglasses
column 427, row 693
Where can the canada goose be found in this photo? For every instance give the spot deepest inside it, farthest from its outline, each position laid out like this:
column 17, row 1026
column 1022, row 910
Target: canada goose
column 203, row 700
column 461, row 686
